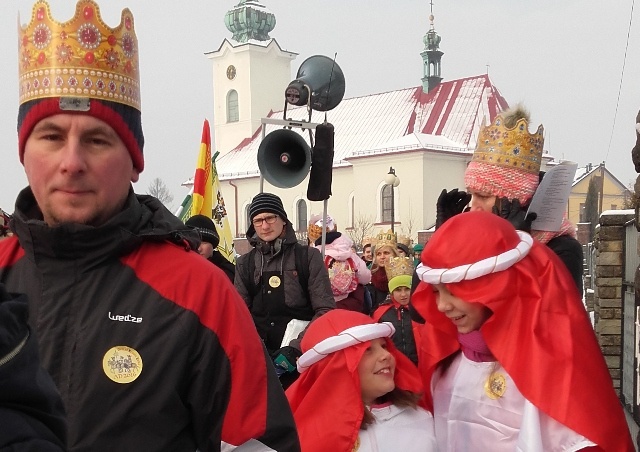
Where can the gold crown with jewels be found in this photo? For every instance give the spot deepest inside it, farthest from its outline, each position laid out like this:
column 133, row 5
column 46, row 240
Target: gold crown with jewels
column 398, row 266
column 82, row 57
column 386, row 239
column 510, row 147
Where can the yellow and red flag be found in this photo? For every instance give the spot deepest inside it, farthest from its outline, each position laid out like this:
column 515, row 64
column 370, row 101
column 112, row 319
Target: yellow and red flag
column 202, row 198
column 201, row 201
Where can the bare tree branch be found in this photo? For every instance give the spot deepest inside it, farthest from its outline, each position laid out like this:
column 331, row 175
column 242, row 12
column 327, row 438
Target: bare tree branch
column 158, row 189
column 362, row 228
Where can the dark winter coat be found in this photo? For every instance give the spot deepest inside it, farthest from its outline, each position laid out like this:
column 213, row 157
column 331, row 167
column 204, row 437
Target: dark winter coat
column 570, row 252
column 271, row 313
column 223, row 264
column 31, row 413
column 406, row 329
column 149, row 345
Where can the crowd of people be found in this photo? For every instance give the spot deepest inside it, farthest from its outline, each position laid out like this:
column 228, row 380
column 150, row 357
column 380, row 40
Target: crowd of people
column 116, row 334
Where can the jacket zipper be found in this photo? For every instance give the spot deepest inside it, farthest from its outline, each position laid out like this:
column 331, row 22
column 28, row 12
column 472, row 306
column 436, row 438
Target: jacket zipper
column 12, row 354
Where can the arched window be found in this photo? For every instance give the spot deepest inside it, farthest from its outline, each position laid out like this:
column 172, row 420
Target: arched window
column 386, row 203
column 233, row 111
column 301, row 209
column 352, row 210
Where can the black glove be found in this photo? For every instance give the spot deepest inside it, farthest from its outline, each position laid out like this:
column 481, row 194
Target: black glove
column 450, row 204
column 285, row 359
column 516, row 214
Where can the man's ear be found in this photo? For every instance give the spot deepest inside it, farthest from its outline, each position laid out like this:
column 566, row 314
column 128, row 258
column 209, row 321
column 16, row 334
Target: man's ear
column 135, row 175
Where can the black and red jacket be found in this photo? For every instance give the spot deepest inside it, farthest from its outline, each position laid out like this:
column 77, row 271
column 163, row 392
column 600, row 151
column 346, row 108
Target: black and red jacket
column 150, row 346
column 407, row 330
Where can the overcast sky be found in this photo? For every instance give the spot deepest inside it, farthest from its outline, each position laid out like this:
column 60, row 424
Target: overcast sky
column 562, row 59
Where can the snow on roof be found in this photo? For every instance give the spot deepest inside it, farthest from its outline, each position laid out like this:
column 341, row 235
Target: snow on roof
column 583, row 172
column 447, row 118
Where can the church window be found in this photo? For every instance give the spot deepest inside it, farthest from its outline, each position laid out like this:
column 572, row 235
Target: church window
column 301, row 210
column 385, row 208
column 233, row 111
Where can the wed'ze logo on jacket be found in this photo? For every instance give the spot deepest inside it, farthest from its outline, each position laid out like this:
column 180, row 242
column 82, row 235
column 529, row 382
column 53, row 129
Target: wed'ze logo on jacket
column 122, row 364
column 125, row 318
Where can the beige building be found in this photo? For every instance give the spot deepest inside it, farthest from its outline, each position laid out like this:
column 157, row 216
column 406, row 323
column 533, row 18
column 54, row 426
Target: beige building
column 613, row 194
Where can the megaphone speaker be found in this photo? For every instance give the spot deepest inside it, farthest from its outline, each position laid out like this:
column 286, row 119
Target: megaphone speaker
column 323, row 77
column 284, row 158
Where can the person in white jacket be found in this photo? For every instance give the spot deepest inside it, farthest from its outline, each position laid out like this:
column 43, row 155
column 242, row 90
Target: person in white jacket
column 347, row 272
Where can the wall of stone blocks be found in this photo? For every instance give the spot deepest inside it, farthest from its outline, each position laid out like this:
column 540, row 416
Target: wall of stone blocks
column 607, row 296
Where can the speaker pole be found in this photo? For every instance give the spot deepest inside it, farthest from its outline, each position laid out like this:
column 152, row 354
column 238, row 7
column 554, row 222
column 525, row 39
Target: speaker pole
column 261, row 176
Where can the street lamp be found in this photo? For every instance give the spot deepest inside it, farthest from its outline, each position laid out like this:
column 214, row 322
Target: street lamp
column 392, row 180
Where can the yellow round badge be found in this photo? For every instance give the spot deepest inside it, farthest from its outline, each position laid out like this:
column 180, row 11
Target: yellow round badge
column 274, row 281
column 122, row 364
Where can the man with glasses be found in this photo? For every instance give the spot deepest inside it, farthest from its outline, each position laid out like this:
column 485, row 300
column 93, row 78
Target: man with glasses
column 284, row 283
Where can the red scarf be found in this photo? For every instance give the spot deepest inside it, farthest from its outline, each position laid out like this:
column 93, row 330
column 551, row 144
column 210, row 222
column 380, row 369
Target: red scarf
column 379, row 280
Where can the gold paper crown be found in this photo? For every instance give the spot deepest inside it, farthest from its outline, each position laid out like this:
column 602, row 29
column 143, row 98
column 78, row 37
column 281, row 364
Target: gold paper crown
column 82, row 57
column 314, row 232
column 403, row 239
column 388, row 238
column 510, row 147
column 398, row 266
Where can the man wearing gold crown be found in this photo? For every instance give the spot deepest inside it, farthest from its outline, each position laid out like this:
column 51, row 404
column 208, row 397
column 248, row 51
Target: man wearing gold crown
column 149, row 345
column 503, row 176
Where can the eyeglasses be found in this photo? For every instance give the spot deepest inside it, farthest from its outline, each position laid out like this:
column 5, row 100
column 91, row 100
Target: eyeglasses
column 269, row 220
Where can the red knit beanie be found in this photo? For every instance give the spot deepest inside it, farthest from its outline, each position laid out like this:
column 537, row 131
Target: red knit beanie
column 124, row 119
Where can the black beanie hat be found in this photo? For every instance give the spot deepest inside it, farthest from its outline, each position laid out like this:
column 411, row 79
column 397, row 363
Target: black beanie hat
column 206, row 228
column 266, row 203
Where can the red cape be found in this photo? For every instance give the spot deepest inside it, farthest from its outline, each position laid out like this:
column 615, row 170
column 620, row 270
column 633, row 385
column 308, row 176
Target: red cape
column 539, row 331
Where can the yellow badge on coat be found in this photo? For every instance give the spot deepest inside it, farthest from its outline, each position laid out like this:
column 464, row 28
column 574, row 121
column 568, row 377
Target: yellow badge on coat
column 122, row 364
column 274, row 281
column 495, row 386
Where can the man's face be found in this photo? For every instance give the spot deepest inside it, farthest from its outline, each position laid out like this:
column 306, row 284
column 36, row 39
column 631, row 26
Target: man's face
column 269, row 226
column 78, row 168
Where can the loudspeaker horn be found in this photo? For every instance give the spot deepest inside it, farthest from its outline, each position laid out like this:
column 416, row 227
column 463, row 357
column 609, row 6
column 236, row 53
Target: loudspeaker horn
column 284, row 158
column 323, row 77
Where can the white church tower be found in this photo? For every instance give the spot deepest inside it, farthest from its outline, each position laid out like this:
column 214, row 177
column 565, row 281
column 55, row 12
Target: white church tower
column 250, row 74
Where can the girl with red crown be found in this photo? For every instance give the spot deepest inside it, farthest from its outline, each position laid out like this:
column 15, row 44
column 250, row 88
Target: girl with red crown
column 507, row 348
column 356, row 391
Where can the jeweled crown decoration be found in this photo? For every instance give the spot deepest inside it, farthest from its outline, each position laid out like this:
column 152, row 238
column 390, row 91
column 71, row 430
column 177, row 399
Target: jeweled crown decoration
column 388, row 238
column 398, row 266
column 82, row 57
column 510, row 147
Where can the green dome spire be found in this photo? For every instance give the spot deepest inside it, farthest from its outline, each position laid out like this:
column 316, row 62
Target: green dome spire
column 249, row 20
column 431, row 39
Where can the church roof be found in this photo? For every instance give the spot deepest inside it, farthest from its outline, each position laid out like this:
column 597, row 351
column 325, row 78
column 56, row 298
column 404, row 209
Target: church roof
column 446, row 119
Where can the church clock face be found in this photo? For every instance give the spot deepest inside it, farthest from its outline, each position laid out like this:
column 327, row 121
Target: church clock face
column 231, row 72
